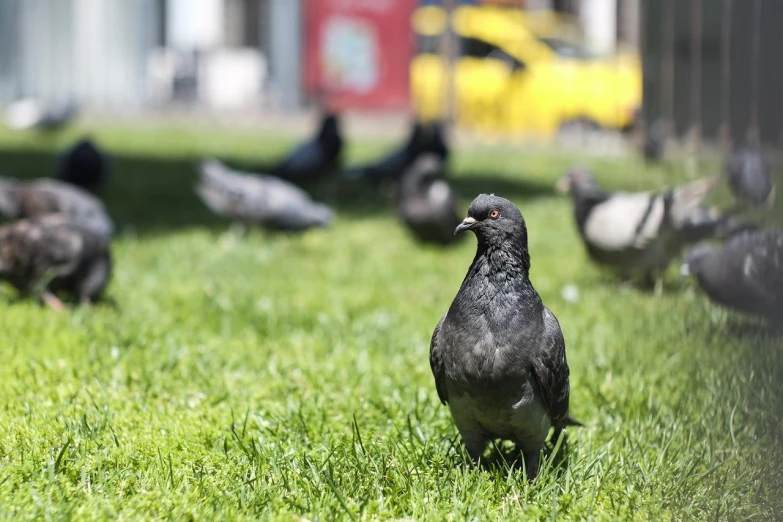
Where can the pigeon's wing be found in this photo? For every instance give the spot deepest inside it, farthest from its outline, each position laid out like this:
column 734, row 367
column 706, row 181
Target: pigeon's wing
column 51, row 244
column 436, row 363
column 306, row 157
column 762, row 266
column 551, row 371
column 235, row 195
column 625, row 220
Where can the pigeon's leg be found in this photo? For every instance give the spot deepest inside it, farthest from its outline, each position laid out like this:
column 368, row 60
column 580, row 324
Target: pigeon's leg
column 475, row 445
column 531, row 463
column 52, row 301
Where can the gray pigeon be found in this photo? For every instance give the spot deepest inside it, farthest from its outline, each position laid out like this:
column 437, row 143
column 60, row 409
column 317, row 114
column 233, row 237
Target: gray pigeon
column 29, row 199
column 51, row 254
column 428, row 205
column 745, row 273
column 258, row 199
column 749, row 176
column 638, row 232
column 498, row 355
column 84, row 165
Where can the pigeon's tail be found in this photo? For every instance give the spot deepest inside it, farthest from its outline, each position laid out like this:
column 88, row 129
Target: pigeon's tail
column 9, row 206
column 710, row 223
column 563, row 424
column 686, row 199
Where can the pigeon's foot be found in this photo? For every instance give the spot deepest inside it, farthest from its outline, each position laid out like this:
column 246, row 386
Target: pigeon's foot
column 52, row 301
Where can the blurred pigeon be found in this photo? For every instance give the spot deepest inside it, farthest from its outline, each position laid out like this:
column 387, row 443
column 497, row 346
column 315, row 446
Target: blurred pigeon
column 424, row 139
column 704, row 222
column 315, row 158
column 749, row 176
column 49, row 254
column 638, row 231
column 428, row 205
column 259, row 200
column 498, row 355
column 745, row 274
column 655, row 141
column 84, row 165
column 29, row 113
column 30, row 199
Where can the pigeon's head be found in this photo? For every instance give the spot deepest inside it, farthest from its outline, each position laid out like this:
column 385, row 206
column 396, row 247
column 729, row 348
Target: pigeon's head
column 494, row 220
column 695, row 259
column 575, row 180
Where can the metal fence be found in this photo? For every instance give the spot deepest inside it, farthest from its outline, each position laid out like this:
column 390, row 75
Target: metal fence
column 712, row 69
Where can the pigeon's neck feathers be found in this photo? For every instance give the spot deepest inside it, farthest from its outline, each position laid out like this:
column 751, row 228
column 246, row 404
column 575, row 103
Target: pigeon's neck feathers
column 508, row 259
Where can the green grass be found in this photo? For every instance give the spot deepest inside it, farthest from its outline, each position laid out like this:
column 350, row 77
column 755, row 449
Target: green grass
column 276, row 376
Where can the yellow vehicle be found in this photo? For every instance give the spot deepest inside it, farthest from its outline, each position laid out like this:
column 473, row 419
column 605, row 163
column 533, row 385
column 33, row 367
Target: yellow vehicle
column 511, row 79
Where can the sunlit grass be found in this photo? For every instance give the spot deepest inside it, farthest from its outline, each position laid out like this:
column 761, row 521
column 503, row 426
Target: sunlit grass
column 254, row 375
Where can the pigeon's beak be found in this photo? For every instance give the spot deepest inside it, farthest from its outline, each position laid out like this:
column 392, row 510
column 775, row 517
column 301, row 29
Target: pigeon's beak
column 466, row 224
column 685, row 270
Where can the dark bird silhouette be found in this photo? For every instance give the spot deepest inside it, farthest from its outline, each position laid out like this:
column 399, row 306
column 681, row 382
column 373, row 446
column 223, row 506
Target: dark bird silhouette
column 423, row 139
column 744, row 274
column 259, row 200
column 29, row 113
column 498, row 355
column 316, row 158
column 84, row 165
column 426, row 203
column 30, row 199
column 749, row 176
column 51, row 254
column 640, row 232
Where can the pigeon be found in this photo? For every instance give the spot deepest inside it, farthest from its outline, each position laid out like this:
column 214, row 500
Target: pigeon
column 84, row 165
column 655, row 142
column 744, row 274
column 29, row 113
column 315, row 158
column 424, row 139
column 256, row 199
column 30, row 199
column 428, row 205
column 749, row 176
column 498, row 355
column 50, row 254
column 639, row 232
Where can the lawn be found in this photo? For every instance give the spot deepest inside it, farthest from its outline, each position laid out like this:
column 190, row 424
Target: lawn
column 244, row 374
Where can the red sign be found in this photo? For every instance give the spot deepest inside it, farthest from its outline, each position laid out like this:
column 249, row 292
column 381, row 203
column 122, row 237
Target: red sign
column 358, row 52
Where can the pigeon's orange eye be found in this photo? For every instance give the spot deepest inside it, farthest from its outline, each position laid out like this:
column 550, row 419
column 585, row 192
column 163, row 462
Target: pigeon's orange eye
column 494, row 214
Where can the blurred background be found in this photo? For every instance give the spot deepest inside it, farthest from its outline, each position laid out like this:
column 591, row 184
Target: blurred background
column 538, row 70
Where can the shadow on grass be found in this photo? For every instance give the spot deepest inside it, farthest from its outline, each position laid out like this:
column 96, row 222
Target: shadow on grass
column 154, row 194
